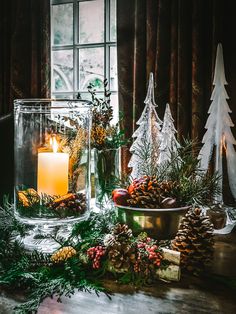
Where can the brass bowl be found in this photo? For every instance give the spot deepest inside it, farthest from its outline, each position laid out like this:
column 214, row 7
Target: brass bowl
column 159, row 223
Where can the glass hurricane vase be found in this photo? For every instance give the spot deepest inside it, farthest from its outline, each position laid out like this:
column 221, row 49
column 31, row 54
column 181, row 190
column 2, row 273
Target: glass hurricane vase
column 52, row 165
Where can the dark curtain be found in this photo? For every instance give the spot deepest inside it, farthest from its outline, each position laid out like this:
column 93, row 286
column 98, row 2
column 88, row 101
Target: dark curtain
column 24, row 69
column 25, row 51
column 176, row 40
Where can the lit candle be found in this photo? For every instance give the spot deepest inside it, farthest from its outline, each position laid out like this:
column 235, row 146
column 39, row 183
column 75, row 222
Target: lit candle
column 53, row 171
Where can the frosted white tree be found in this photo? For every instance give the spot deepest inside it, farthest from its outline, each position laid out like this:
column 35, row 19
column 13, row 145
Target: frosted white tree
column 147, row 135
column 169, row 143
column 218, row 127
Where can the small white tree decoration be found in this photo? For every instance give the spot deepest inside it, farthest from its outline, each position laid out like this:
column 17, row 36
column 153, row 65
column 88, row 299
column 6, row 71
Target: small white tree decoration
column 147, row 135
column 169, row 143
column 218, row 127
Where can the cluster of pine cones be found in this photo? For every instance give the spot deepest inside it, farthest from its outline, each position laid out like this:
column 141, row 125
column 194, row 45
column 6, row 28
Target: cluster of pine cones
column 121, row 252
column 75, row 203
column 147, row 192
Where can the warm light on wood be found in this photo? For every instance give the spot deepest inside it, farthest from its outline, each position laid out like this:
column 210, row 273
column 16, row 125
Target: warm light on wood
column 53, row 171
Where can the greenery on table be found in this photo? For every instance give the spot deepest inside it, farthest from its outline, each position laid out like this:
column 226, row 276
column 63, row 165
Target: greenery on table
column 40, row 275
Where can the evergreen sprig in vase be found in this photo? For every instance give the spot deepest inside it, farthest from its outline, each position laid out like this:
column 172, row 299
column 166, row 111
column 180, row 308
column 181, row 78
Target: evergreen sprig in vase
column 106, row 139
column 106, row 172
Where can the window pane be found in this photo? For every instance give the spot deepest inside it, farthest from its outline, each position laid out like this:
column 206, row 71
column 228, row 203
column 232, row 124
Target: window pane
column 85, row 96
column 91, row 67
column 63, row 70
column 114, row 103
column 113, row 69
column 62, row 22
column 91, row 21
column 113, row 20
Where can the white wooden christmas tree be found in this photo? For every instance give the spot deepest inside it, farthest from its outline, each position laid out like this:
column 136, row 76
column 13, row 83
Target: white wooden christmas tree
column 169, row 143
column 218, row 134
column 147, row 135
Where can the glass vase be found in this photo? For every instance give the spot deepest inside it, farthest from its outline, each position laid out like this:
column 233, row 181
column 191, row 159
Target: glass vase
column 106, row 173
column 52, row 163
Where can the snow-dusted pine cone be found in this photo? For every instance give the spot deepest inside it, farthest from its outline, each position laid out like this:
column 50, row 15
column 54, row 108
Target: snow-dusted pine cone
column 194, row 240
column 121, row 253
column 121, row 256
column 121, row 232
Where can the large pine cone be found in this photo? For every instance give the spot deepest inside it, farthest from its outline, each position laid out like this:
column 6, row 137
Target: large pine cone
column 147, row 192
column 195, row 241
column 121, row 253
column 144, row 192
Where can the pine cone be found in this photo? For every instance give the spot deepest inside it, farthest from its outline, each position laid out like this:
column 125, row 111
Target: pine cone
column 121, row 253
column 121, row 256
column 76, row 203
column 28, row 197
column 63, row 254
column 144, row 192
column 121, row 232
column 195, row 241
column 147, row 192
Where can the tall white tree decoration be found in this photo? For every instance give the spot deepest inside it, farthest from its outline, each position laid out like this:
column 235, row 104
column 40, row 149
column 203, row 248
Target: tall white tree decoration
column 218, row 127
column 147, row 135
column 169, row 143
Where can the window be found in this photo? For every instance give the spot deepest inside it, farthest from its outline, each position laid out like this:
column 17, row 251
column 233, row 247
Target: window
column 83, row 47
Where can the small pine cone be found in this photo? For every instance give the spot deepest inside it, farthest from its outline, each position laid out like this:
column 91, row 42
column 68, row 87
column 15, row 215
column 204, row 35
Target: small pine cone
column 121, row 232
column 194, row 240
column 28, row 197
column 63, row 254
column 121, row 256
column 144, row 192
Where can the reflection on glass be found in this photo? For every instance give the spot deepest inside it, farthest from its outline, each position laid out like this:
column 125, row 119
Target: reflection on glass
column 63, row 70
column 91, row 68
column 91, row 21
column 113, row 20
column 62, row 22
column 64, row 96
column 113, row 68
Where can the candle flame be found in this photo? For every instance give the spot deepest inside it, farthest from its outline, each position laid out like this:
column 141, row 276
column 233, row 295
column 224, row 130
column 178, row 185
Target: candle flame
column 54, row 144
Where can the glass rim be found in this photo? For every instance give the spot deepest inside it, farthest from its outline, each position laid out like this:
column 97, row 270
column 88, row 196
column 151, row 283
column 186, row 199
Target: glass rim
column 27, row 103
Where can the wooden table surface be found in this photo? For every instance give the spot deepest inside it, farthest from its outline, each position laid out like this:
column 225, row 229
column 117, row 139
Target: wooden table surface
column 190, row 295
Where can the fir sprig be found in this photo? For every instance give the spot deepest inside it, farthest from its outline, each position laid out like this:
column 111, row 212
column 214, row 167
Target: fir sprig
column 193, row 186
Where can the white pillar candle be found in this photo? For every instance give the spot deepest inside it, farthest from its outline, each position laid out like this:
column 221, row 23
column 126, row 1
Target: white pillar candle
column 53, row 173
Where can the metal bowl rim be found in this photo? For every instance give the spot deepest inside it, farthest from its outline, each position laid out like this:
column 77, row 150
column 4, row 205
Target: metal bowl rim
column 154, row 209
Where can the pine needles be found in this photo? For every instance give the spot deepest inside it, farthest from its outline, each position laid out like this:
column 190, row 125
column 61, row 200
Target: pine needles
column 193, row 187
column 35, row 274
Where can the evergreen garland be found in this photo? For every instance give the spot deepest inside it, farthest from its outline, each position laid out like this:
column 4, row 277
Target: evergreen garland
column 89, row 246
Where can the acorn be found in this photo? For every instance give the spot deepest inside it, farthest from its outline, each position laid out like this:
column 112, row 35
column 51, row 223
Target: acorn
column 120, row 196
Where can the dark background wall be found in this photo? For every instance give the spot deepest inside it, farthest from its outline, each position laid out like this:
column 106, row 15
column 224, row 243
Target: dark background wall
column 24, row 69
